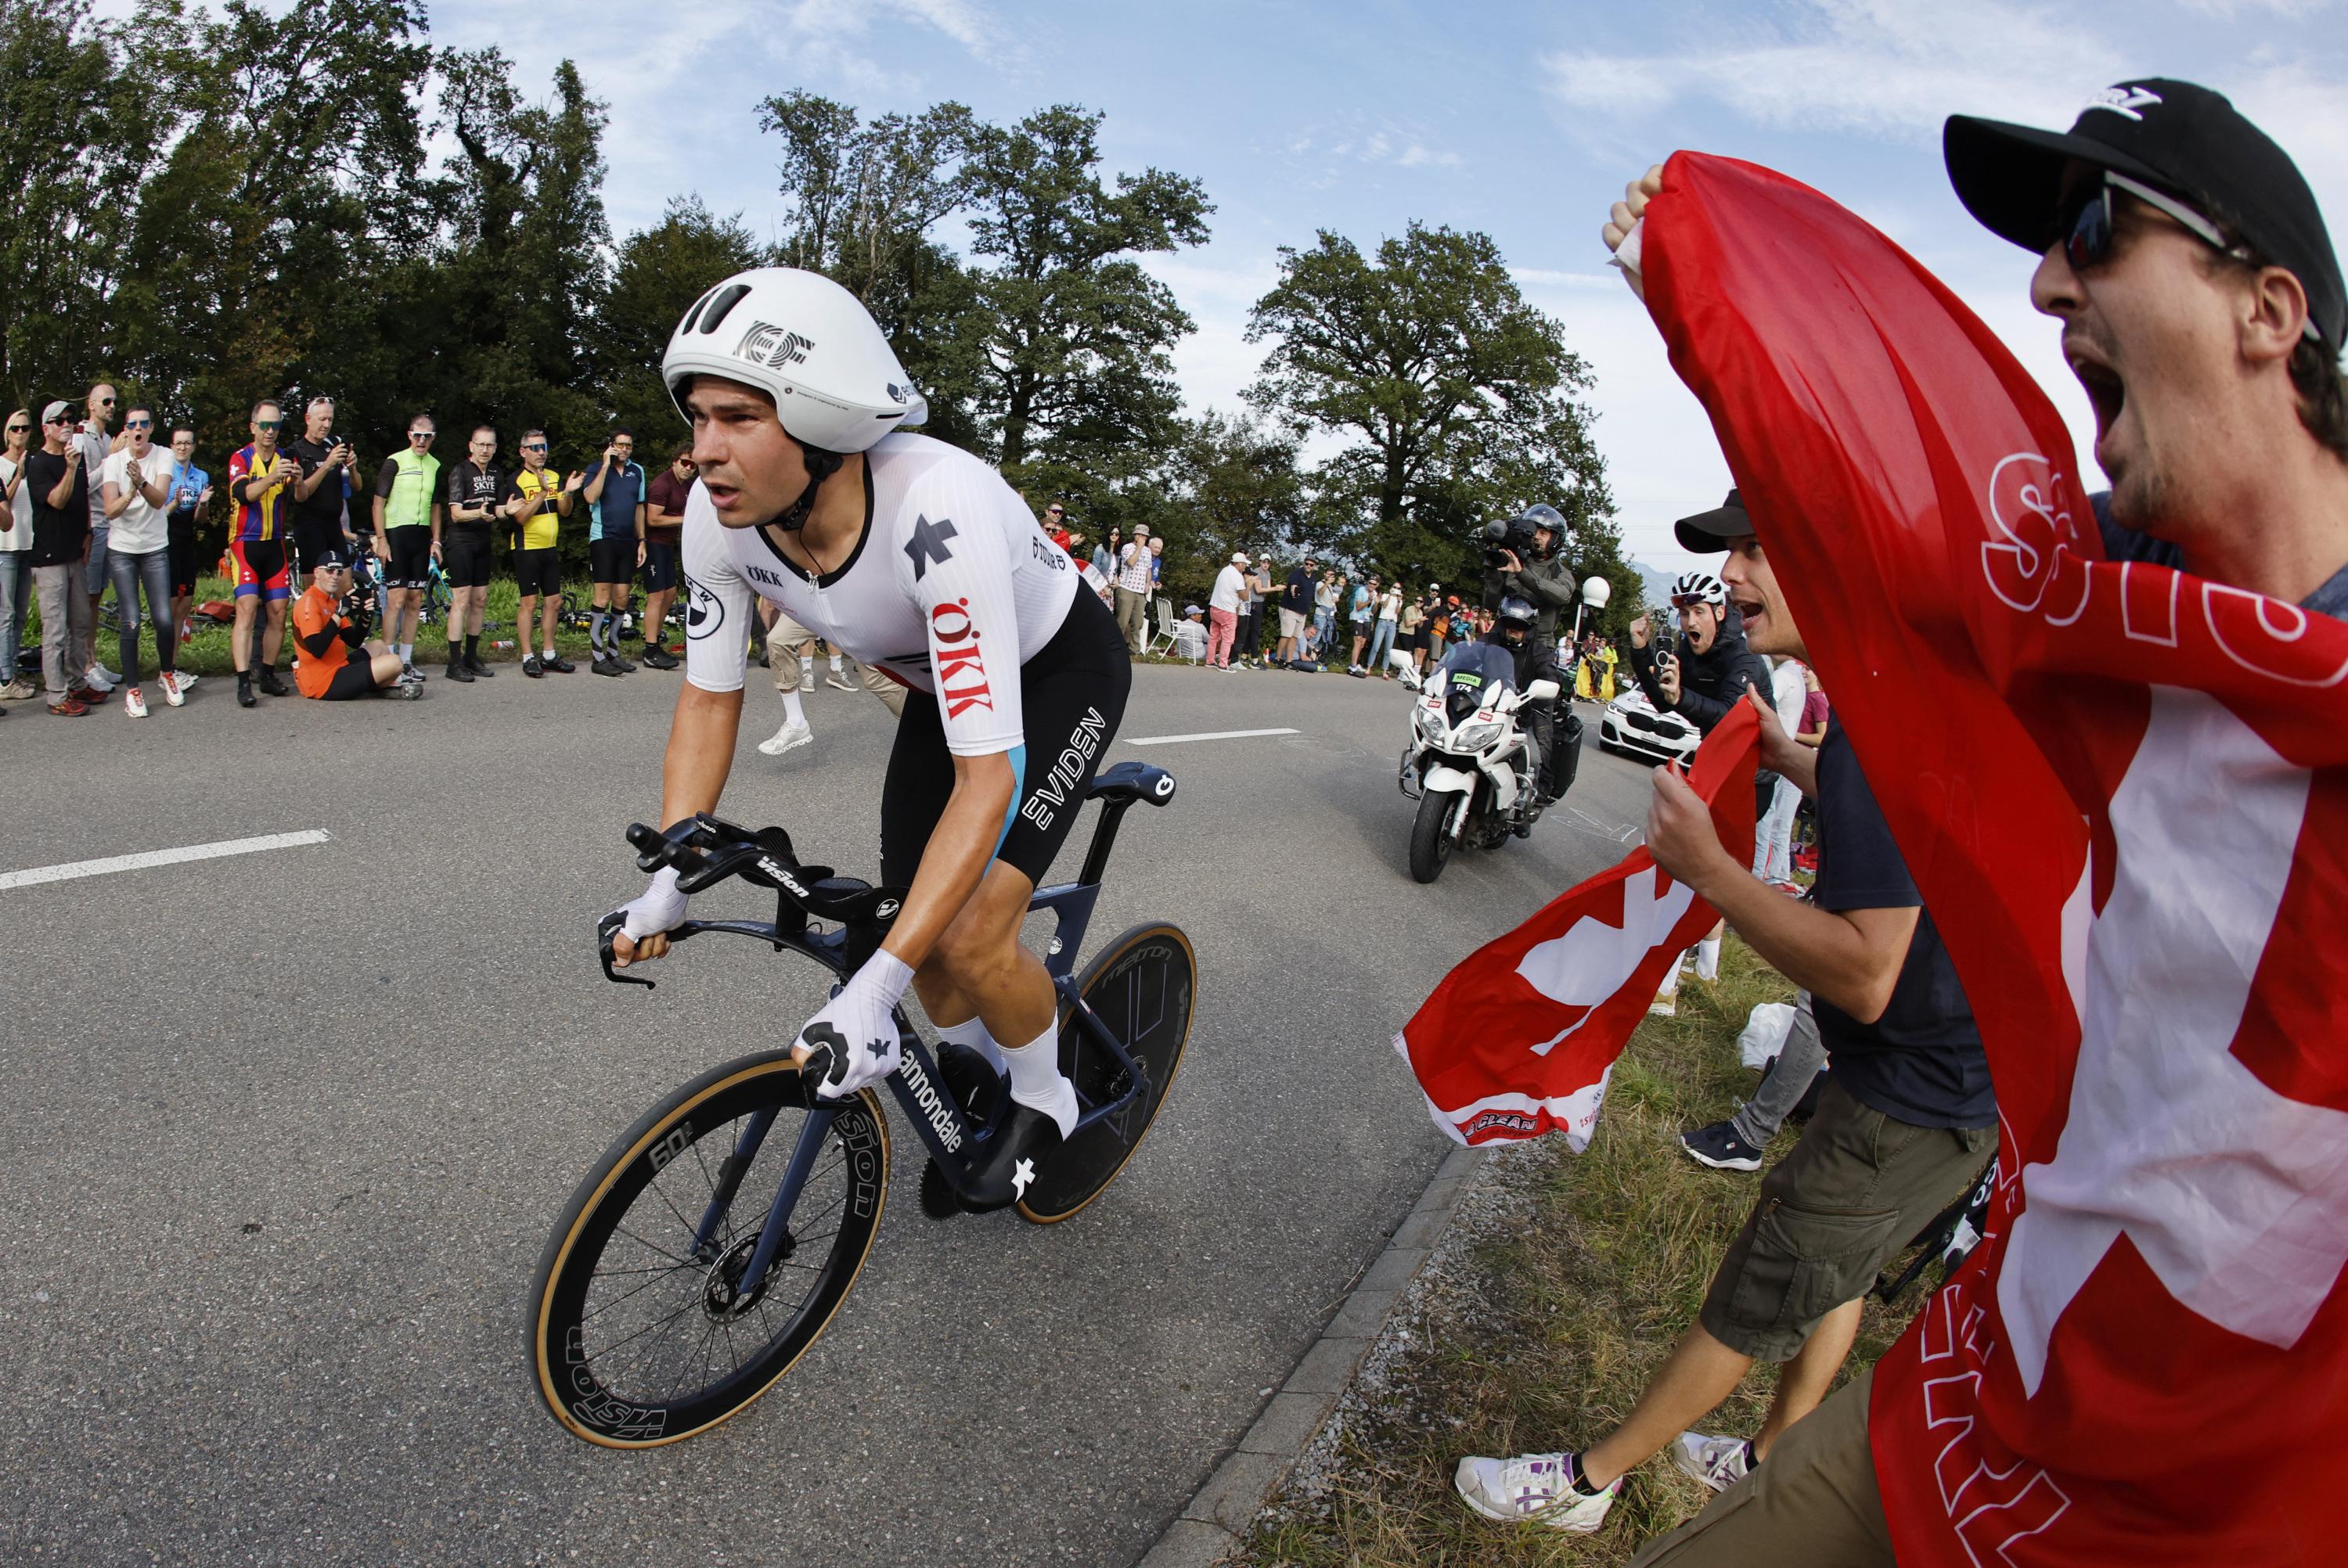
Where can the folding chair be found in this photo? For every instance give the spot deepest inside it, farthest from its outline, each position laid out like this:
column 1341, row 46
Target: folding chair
column 1165, row 628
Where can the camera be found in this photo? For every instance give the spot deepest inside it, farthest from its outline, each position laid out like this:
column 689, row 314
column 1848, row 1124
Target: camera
column 1504, row 536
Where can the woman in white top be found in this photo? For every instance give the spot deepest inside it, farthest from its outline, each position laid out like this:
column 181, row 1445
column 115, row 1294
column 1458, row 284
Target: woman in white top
column 1381, row 643
column 135, row 488
column 15, row 549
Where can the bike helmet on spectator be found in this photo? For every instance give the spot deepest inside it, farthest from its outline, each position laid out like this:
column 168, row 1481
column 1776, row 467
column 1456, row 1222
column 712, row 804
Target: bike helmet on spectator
column 1700, row 586
column 811, row 346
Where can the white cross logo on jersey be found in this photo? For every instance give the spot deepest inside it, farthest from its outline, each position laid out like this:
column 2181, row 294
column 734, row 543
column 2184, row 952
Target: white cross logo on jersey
column 1593, row 961
column 2228, row 1191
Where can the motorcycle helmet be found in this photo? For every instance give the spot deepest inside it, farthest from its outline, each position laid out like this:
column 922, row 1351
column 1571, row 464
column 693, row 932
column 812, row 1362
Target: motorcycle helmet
column 1699, row 588
column 1515, row 611
column 1542, row 515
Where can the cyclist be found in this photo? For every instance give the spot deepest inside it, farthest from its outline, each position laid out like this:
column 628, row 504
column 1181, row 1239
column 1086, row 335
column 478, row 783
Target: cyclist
column 543, row 503
column 479, row 493
column 259, row 478
column 917, row 558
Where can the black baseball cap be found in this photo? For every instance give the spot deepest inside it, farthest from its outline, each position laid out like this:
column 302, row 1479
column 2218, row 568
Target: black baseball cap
column 1708, row 533
column 2179, row 138
column 328, row 560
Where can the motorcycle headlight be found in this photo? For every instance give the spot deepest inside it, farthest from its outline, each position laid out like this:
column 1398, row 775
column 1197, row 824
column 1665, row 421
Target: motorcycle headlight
column 1476, row 737
column 1430, row 724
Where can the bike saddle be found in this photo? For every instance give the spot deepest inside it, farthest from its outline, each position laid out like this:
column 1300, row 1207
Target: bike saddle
column 1130, row 781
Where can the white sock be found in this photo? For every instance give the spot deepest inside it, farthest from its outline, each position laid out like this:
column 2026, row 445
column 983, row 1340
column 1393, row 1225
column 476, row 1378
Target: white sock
column 1672, row 978
column 1707, row 959
column 791, row 709
column 835, row 664
column 1036, row 1081
column 973, row 1035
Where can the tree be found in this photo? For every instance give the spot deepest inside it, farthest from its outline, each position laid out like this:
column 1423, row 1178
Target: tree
column 1077, row 369
column 661, row 271
column 1459, row 393
column 76, row 136
column 861, row 203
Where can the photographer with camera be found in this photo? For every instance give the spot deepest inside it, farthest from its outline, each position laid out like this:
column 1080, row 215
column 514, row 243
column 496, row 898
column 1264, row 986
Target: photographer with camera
column 1524, row 558
column 322, row 495
column 331, row 622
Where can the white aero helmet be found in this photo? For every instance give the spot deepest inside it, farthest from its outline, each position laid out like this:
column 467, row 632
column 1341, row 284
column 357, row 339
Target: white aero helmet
column 807, row 344
column 1700, row 586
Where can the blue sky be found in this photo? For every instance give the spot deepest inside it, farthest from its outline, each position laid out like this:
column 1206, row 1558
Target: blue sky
column 1522, row 120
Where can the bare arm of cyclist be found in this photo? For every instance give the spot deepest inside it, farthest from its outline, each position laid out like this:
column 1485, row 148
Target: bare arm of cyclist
column 701, row 739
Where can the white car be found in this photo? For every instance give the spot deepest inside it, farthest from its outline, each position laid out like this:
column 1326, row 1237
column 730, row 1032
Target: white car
column 1632, row 727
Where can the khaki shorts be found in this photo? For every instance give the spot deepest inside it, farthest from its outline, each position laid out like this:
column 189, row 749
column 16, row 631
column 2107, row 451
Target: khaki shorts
column 1292, row 623
column 1848, row 1200
column 1815, row 1504
column 784, row 640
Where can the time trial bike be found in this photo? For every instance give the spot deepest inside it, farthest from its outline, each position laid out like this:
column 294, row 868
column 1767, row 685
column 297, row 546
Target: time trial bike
column 715, row 1239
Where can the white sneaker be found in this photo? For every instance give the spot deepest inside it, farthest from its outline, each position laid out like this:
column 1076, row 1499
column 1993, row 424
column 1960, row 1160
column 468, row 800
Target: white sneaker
column 807, row 682
column 98, row 668
column 187, row 682
column 790, row 737
column 837, row 682
column 173, row 691
column 97, row 680
column 1718, row 1462
column 133, row 702
column 1530, row 1487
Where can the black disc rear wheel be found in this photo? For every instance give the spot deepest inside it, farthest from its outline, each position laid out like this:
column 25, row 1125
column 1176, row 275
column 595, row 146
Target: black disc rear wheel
column 1142, row 986
column 638, row 1335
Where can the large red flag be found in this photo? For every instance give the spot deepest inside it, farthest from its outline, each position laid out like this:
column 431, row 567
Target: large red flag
column 2124, row 793
column 1520, row 1038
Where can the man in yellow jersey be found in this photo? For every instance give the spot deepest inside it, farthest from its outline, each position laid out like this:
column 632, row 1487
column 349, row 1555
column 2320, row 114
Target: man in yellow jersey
column 540, row 502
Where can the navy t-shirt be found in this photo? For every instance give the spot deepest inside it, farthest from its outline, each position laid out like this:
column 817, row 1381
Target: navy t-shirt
column 1921, row 1061
column 2125, row 544
column 1297, row 595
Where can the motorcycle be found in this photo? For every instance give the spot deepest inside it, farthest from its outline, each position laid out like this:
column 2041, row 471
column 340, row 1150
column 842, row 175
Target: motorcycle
column 1469, row 764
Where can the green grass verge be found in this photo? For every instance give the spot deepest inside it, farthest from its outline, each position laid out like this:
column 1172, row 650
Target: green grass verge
column 1543, row 1339
column 207, row 652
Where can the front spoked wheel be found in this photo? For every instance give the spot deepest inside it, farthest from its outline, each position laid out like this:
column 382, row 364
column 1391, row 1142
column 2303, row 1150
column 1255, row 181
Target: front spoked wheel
column 641, row 1332
column 1142, row 986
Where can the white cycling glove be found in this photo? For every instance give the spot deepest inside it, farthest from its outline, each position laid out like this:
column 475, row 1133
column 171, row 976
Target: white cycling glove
column 858, row 1027
column 660, row 907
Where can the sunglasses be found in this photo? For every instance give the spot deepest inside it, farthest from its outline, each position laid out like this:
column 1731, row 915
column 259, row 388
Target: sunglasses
column 1052, row 512
column 533, row 446
column 2092, row 230
column 19, row 429
column 106, row 402
column 267, row 424
column 1686, row 601
column 139, row 425
column 422, row 435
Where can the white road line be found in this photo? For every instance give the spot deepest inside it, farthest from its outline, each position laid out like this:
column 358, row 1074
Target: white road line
column 1208, row 735
column 145, row 858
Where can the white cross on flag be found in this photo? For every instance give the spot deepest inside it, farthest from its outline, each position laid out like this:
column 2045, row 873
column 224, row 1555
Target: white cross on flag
column 2124, row 793
column 1520, row 1038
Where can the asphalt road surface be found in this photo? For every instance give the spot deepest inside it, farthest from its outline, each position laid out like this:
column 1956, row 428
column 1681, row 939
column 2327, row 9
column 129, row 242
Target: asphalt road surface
column 288, row 1131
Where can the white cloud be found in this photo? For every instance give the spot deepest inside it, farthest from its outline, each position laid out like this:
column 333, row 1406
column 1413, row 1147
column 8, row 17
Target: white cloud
column 1873, row 66
column 1416, row 156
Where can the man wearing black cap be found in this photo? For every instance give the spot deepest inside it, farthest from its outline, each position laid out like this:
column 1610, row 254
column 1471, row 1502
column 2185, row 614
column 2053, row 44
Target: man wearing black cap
column 329, row 631
column 1295, row 611
column 2203, row 309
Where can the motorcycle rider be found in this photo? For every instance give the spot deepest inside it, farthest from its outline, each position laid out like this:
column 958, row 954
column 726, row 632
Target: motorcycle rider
column 1538, row 574
column 1559, row 755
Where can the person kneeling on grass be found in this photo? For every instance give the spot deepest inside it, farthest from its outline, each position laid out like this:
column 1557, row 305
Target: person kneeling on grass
column 329, row 628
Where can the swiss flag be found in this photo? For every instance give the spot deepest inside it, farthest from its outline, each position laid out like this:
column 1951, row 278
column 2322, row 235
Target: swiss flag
column 1517, row 1040
column 2124, row 793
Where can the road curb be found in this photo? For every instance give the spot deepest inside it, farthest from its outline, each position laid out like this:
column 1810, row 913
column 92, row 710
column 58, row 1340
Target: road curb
column 1215, row 1521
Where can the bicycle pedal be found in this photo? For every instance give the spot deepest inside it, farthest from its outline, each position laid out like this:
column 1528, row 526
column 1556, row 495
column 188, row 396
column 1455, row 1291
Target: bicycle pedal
column 939, row 1200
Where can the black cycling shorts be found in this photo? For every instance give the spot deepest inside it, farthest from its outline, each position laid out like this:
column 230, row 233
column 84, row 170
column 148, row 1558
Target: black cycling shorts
column 465, row 555
column 661, row 568
column 1071, row 698
column 355, row 678
column 313, row 539
column 184, row 569
column 614, row 560
column 535, row 572
column 411, row 556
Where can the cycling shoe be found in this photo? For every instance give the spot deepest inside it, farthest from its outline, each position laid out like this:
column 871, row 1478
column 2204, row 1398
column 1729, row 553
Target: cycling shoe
column 1012, row 1160
column 971, row 1079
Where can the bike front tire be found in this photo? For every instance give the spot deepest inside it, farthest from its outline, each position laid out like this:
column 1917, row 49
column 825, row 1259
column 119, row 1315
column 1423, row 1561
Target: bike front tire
column 636, row 1336
column 1143, row 985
